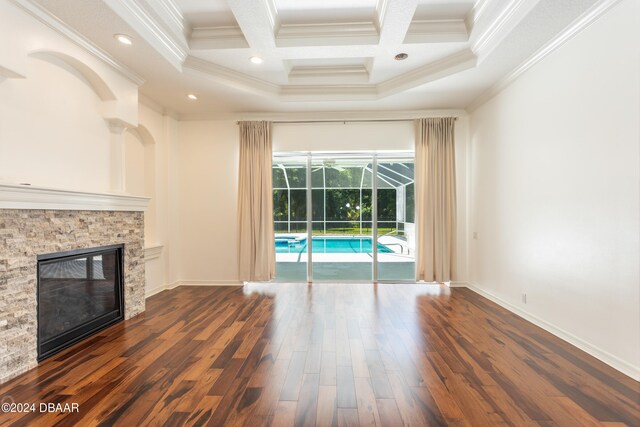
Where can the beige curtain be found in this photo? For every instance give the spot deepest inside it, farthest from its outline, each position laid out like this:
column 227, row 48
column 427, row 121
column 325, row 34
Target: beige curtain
column 255, row 203
column 435, row 194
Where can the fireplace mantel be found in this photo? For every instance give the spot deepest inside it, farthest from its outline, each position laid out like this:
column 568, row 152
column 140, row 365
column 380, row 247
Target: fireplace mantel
column 30, row 197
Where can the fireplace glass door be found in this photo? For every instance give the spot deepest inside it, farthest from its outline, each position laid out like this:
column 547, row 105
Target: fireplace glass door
column 79, row 293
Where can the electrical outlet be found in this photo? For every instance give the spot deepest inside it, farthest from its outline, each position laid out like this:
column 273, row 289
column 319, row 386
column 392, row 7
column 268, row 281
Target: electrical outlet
column 524, row 298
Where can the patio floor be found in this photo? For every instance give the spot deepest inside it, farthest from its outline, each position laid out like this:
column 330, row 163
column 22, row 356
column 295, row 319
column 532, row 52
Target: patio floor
column 344, row 271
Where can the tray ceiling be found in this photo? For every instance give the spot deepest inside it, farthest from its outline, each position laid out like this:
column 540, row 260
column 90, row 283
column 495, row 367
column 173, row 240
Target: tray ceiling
column 318, row 55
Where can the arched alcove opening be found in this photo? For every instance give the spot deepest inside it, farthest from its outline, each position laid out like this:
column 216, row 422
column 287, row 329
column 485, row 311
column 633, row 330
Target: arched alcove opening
column 53, row 132
column 80, row 70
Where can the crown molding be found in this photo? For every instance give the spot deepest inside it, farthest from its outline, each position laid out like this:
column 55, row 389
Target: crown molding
column 28, row 197
column 457, row 62
column 349, row 33
column 475, row 14
column 171, row 46
column 381, row 12
column 51, row 21
column 501, row 26
column 170, row 13
column 451, row 64
column 230, row 77
column 272, row 14
column 582, row 22
column 328, row 93
column 345, row 74
column 437, row 31
column 230, row 37
column 332, row 116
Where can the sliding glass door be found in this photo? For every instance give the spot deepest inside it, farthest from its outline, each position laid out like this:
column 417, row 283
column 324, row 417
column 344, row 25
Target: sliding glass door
column 290, row 217
column 395, row 214
column 334, row 202
column 341, row 206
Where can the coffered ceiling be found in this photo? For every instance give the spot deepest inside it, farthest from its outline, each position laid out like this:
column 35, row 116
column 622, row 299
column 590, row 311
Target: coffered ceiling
column 317, row 55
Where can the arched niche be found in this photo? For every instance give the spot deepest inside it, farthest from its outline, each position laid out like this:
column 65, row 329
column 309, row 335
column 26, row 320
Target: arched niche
column 140, row 174
column 78, row 68
column 53, row 130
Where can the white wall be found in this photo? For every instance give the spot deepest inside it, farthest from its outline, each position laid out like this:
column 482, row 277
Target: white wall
column 56, row 103
column 355, row 136
column 51, row 134
column 55, row 107
column 205, row 207
column 206, row 202
column 135, row 165
column 151, row 166
column 555, row 191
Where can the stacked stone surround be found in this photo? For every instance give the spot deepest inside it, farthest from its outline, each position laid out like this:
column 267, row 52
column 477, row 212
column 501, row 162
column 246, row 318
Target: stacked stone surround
column 25, row 234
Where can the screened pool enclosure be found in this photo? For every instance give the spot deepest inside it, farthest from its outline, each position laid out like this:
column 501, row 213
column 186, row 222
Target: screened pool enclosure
column 344, row 202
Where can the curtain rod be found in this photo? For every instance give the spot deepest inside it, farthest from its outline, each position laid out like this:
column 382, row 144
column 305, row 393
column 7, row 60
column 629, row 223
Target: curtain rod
column 341, row 121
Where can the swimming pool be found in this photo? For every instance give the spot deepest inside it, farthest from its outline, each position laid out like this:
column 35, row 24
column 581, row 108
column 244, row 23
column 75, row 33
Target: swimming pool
column 329, row 245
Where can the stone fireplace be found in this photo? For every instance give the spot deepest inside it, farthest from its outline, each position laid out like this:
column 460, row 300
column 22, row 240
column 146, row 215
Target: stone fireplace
column 36, row 221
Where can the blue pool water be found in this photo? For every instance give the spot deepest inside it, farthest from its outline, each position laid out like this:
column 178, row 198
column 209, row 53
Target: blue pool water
column 330, row 245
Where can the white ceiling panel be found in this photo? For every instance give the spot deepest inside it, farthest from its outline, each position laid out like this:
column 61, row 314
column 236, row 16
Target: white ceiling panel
column 206, row 13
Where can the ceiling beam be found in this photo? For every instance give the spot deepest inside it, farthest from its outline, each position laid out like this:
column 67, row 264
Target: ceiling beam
column 329, row 34
column 394, row 19
column 437, row 31
column 326, row 74
column 230, row 37
column 257, row 22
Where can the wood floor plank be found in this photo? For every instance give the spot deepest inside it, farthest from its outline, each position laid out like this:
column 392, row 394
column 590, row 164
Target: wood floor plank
column 306, row 411
column 378, row 374
column 285, row 414
column 388, row 411
column 325, row 355
column 345, row 386
column 295, row 373
column 328, row 368
column 348, row 417
column 367, row 407
column 327, row 413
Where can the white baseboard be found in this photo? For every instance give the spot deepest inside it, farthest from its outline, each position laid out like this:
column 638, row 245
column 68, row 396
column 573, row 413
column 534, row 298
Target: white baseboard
column 600, row 354
column 154, row 291
column 458, row 284
column 210, row 283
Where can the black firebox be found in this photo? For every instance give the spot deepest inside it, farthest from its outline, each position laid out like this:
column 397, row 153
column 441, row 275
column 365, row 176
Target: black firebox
column 80, row 292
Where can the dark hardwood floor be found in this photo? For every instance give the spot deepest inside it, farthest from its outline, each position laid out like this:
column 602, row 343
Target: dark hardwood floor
column 283, row 354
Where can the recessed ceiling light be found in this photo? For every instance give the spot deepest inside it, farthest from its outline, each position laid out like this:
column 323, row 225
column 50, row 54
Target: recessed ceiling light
column 401, row 57
column 124, row 39
column 256, row 60
column 192, row 96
